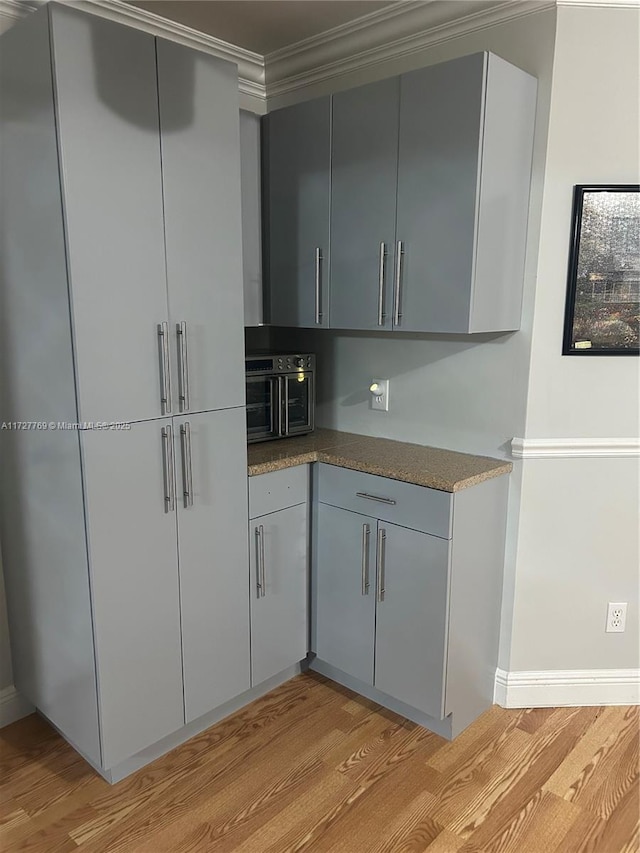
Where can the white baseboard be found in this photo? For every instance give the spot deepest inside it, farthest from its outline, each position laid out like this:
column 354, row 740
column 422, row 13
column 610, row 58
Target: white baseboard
column 555, row 688
column 12, row 706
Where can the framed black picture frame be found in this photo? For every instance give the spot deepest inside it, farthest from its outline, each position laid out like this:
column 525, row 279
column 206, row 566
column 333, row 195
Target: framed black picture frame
column 602, row 308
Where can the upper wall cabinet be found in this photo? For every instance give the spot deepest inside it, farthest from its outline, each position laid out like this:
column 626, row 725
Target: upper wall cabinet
column 297, row 183
column 430, row 178
column 364, row 178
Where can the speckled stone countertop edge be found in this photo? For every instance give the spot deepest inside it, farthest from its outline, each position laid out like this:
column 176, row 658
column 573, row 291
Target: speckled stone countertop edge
column 427, row 480
column 336, row 452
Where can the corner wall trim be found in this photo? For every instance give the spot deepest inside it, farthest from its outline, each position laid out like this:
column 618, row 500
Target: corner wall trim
column 12, row 706
column 556, row 688
column 562, row 448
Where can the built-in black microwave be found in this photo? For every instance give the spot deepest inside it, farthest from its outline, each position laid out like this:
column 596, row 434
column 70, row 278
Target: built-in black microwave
column 280, row 395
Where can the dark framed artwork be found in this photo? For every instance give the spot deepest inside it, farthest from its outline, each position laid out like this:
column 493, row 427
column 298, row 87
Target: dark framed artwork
column 603, row 291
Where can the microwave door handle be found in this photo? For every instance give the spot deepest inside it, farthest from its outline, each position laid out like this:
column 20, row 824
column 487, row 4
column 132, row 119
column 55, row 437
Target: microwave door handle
column 285, row 403
column 274, row 428
column 310, row 400
column 278, row 398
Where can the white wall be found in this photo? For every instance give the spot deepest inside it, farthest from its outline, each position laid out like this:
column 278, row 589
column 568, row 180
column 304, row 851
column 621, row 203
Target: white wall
column 579, row 525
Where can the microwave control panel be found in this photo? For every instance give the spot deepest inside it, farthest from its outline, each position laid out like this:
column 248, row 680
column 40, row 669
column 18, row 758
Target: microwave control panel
column 280, row 363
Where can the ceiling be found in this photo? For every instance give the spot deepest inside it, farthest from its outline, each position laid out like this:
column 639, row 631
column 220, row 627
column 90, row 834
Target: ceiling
column 262, row 26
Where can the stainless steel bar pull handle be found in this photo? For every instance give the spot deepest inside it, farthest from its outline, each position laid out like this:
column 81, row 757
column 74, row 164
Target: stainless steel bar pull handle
column 258, row 569
column 187, row 465
column 168, row 469
column 366, row 532
column 318, row 269
column 183, row 367
column 380, row 500
column 380, row 562
column 165, row 369
column 397, row 314
column 260, row 572
column 383, row 255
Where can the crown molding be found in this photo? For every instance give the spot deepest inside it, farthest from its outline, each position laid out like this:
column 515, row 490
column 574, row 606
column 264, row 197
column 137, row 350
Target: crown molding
column 385, row 35
column 250, row 65
column 392, row 32
column 605, row 4
column 13, row 10
column 565, row 448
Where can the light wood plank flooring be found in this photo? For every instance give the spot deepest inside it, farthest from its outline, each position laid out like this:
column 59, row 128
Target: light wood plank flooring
column 312, row 767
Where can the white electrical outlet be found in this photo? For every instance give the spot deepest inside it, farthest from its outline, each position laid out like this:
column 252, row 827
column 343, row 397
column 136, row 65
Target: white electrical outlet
column 616, row 617
column 380, row 395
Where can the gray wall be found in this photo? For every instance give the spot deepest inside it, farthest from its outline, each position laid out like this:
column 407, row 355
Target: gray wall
column 579, row 544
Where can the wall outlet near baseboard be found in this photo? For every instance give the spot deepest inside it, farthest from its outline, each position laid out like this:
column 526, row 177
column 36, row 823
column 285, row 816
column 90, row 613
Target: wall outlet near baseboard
column 616, row 617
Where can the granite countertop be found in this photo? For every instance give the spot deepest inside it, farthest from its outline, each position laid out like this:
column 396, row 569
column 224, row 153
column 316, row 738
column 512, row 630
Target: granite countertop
column 446, row 470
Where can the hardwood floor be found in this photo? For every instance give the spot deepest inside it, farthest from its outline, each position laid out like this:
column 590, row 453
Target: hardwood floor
column 312, row 767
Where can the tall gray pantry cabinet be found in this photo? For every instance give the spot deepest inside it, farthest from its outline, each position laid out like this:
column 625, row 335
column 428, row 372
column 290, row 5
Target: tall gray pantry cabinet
column 124, row 550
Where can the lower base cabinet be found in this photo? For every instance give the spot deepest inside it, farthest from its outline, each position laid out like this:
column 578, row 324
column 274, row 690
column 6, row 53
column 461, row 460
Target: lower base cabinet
column 279, row 571
column 411, row 617
column 381, row 605
column 406, row 595
column 344, row 602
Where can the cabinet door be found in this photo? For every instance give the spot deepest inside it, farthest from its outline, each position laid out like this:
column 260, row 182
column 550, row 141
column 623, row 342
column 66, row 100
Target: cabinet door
column 345, row 591
column 298, row 152
column 364, row 168
column 279, row 591
column 212, row 511
column 134, row 586
column 107, row 106
column 411, row 617
column 198, row 97
column 438, row 176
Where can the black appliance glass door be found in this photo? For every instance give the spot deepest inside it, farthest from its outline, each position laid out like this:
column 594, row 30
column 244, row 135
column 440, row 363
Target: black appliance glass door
column 262, row 408
column 298, row 402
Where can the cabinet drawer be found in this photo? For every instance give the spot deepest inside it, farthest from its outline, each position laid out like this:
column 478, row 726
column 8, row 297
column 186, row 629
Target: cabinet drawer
column 278, row 490
column 416, row 507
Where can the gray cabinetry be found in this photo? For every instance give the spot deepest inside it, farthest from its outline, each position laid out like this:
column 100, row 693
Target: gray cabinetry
column 364, row 169
column 198, row 101
column 409, row 617
column 298, row 153
column 211, row 508
column 430, row 176
column 107, row 122
column 127, row 574
column 344, row 590
column 279, row 574
column 380, row 605
column 133, row 566
column 464, row 164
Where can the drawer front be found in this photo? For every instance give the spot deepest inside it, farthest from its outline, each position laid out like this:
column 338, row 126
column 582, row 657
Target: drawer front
column 278, row 490
column 405, row 504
